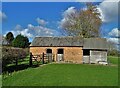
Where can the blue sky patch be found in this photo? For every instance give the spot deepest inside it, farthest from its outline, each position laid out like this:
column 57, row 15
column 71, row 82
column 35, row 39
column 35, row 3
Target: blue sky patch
column 43, row 18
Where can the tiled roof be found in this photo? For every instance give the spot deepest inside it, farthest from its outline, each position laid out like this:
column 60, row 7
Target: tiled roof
column 86, row 43
column 57, row 41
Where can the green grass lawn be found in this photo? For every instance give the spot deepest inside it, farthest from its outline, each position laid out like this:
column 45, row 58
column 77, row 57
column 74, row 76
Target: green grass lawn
column 113, row 60
column 65, row 75
column 21, row 61
column 0, row 81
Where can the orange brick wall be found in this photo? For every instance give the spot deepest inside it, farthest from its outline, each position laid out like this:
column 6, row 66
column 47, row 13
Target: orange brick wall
column 73, row 54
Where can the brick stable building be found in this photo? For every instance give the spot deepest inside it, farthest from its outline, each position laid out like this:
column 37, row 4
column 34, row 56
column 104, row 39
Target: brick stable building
column 73, row 49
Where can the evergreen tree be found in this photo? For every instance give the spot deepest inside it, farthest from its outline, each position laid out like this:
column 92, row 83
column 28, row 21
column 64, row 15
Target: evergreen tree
column 20, row 41
column 9, row 37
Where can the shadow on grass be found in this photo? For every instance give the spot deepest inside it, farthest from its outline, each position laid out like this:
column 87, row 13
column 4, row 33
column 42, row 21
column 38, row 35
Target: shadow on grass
column 13, row 68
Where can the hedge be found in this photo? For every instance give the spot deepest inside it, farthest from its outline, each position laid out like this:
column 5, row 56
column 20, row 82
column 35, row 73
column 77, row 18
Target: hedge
column 10, row 54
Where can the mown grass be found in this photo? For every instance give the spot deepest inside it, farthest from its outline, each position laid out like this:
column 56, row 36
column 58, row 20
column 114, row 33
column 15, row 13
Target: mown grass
column 113, row 60
column 65, row 75
column 0, row 81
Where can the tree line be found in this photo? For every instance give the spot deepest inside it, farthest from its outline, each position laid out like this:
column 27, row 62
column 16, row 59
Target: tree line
column 17, row 51
column 19, row 41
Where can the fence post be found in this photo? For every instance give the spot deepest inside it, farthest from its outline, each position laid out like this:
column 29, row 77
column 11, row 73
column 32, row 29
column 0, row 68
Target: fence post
column 43, row 58
column 30, row 61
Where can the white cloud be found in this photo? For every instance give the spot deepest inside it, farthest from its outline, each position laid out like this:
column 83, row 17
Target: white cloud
column 66, row 14
column 30, row 26
column 43, row 31
column 19, row 30
column 18, row 27
column 69, row 11
column 102, row 17
column 2, row 16
column 112, row 0
column 88, row 0
column 114, row 40
column 32, row 31
column 115, row 33
column 24, row 32
column 108, row 10
column 41, row 21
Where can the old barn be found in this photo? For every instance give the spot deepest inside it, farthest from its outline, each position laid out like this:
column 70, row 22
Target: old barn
column 70, row 49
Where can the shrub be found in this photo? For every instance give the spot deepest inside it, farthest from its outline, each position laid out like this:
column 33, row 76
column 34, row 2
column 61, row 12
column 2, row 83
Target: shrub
column 10, row 54
column 113, row 53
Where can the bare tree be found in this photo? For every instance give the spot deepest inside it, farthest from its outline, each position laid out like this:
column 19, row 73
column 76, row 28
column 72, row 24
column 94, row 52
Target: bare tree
column 83, row 23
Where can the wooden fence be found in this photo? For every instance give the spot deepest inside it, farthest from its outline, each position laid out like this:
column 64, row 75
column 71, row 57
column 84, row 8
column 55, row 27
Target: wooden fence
column 44, row 58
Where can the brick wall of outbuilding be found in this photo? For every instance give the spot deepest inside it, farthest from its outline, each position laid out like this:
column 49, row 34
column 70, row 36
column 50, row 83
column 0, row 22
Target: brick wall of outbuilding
column 73, row 54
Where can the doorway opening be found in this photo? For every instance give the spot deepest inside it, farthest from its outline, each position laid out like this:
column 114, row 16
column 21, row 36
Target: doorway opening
column 49, row 55
column 49, row 51
column 60, row 55
column 86, row 56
